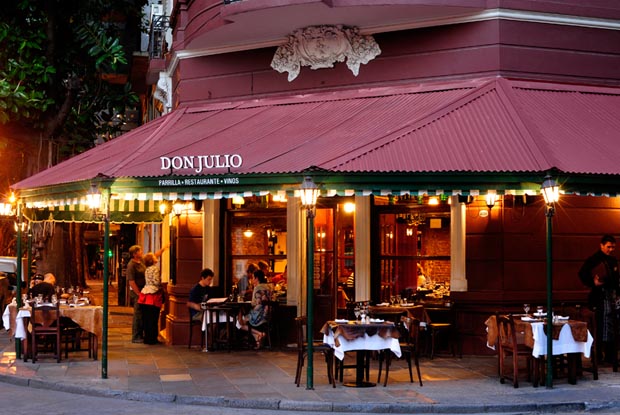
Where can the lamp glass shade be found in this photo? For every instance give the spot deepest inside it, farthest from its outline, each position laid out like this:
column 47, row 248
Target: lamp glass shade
column 178, row 208
column 93, row 198
column 163, row 208
column 309, row 193
column 491, row 198
column 550, row 191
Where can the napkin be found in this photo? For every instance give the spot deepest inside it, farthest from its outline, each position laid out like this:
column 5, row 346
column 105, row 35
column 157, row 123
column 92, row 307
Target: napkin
column 383, row 304
column 562, row 317
column 376, row 320
column 341, row 320
column 525, row 318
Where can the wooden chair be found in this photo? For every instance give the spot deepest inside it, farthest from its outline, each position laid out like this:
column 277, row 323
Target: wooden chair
column 409, row 346
column 508, row 346
column 45, row 327
column 580, row 313
column 192, row 324
column 446, row 328
column 317, row 346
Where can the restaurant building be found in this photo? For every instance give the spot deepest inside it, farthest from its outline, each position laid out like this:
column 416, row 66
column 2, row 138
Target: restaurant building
column 429, row 127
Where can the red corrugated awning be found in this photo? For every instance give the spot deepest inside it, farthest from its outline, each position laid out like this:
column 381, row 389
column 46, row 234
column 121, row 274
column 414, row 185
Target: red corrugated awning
column 491, row 125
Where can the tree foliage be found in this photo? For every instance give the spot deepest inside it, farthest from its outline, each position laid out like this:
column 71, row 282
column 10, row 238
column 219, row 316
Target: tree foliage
column 55, row 57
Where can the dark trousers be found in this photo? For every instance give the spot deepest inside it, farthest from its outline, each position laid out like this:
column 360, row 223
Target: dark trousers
column 150, row 320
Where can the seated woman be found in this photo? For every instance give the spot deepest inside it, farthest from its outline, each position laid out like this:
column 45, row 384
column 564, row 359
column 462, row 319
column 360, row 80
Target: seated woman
column 256, row 321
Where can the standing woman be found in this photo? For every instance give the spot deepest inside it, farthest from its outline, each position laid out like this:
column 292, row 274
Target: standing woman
column 151, row 299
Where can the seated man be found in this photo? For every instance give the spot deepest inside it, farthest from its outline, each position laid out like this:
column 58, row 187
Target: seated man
column 199, row 293
column 42, row 286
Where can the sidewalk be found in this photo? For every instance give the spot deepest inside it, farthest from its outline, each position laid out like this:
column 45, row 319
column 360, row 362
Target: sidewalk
column 264, row 379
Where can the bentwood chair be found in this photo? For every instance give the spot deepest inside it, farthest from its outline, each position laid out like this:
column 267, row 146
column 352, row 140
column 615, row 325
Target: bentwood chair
column 317, row 346
column 45, row 330
column 409, row 345
column 510, row 347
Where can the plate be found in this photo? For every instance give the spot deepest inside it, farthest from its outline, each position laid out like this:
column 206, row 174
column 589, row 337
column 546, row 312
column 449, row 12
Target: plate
column 540, row 314
column 341, row 320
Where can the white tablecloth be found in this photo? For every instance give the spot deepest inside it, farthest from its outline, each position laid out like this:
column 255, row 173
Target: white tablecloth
column 564, row 344
column 367, row 342
column 20, row 330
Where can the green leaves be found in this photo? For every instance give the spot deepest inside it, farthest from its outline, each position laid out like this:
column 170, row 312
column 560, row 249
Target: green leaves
column 107, row 50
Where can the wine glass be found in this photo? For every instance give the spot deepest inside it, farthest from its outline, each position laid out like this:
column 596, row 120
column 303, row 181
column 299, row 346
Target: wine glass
column 357, row 312
column 526, row 308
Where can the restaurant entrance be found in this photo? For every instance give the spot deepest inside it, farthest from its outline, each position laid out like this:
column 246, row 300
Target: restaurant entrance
column 334, row 259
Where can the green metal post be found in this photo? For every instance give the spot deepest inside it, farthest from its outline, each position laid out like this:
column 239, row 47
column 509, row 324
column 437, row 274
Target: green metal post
column 549, row 378
column 310, row 296
column 18, row 255
column 106, row 279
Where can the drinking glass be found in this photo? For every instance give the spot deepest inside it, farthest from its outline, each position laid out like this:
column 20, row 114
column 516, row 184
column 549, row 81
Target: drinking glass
column 357, row 312
column 526, row 308
column 539, row 309
column 392, row 300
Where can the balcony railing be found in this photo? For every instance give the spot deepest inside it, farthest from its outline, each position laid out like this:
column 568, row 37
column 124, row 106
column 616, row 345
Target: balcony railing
column 157, row 36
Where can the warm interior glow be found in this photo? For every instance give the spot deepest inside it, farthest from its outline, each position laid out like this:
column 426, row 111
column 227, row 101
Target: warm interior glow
column 238, row 200
column 279, row 197
column 349, row 207
column 433, row 201
column 163, row 208
column 12, row 198
column 248, row 232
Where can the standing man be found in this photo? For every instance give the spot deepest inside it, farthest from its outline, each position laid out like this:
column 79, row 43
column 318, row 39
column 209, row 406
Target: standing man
column 600, row 273
column 137, row 281
column 199, row 293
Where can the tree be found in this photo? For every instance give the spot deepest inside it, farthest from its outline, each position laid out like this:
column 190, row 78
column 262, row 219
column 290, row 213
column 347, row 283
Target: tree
column 63, row 72
column 56, row 57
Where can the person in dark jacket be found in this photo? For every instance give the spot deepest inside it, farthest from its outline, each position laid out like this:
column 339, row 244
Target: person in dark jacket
column 600, row 273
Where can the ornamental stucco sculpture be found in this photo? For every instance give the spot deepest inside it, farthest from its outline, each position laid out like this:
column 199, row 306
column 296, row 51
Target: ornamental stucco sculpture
column 322, row 46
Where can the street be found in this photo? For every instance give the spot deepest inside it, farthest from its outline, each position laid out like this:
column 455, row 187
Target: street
column 21, row 399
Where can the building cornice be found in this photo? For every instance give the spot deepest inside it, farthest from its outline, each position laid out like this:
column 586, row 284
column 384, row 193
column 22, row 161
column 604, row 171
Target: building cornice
column 486, row 15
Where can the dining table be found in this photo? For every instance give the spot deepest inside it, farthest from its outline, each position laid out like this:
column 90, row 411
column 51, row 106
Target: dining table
column 570, row 337
column 352, row 335
column 221, row 312
column 88, row 317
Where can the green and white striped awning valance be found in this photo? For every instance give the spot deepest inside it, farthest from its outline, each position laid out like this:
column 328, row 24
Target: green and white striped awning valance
column 149, row 201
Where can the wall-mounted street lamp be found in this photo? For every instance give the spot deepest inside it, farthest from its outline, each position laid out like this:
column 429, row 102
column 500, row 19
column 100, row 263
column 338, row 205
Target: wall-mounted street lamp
column 309, row 193
column 178, row 207
column 551, row 193
column 490, row 199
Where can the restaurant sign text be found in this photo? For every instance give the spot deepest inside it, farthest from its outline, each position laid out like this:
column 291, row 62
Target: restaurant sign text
column 199, row 181
column 200, row 163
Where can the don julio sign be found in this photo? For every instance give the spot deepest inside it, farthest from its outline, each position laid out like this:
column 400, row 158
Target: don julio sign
column 200, row 163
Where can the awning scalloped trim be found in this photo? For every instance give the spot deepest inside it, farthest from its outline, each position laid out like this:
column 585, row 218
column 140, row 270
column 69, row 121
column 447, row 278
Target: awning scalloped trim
column 146, row 202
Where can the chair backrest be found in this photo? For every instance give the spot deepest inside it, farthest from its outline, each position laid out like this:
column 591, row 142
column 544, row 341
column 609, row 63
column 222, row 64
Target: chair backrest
column 417, row 311
column 411, row 332
column 45, row 317
column 300, row 330
column 507, row 336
